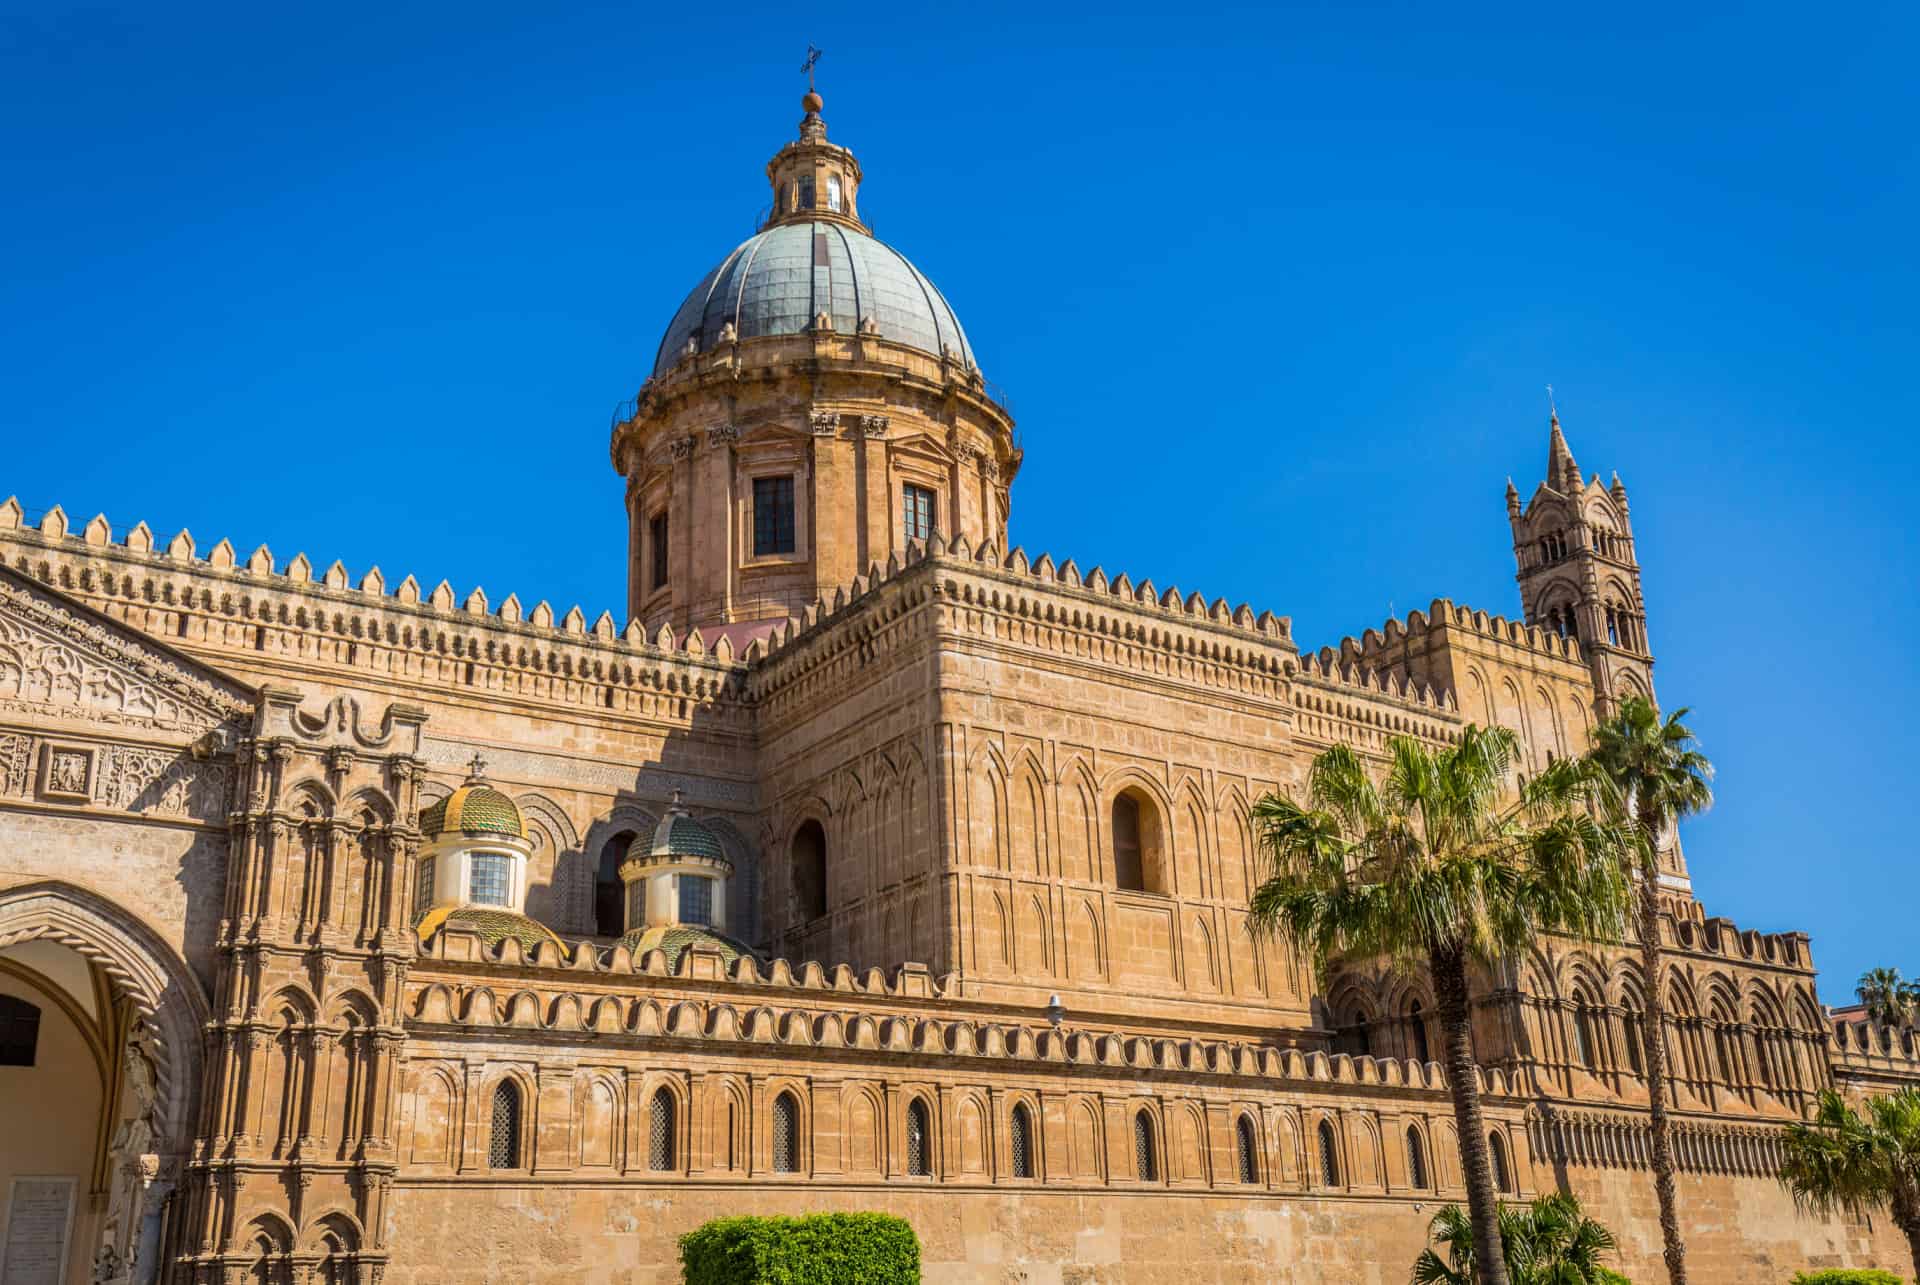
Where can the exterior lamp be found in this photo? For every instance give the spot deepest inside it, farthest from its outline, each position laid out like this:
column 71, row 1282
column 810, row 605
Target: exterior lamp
column 1056, row 1012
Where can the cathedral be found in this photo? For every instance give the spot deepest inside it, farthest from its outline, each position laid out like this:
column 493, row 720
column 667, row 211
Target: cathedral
column 360, row 931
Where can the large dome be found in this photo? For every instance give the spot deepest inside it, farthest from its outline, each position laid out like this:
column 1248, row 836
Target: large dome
column 778, row 281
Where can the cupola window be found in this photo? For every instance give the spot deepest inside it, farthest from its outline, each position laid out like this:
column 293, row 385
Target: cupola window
column 806, row 193
column 423, row 887
column 490, row 880
column 833, row 192
column 696, row 900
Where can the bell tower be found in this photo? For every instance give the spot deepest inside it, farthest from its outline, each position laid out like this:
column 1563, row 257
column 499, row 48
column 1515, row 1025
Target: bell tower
column 1578, row 573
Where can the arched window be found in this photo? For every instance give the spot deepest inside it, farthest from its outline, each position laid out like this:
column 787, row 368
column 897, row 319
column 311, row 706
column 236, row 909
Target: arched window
column 1497, row 1157
column 919, row 1159
column 786, row 1134
column 810, row 870
column 1634, row 1027
column 1138, row 865
column 19, row 1031
column 1416, row 1159
column 503, row 1143
column 1145, row 1162
column 1248, row 1149
column 1417, row 1020
column 608, row 895
column 660, row 1122
column 1582, row 1036
column 1329, row 1157
column 1020, row 1139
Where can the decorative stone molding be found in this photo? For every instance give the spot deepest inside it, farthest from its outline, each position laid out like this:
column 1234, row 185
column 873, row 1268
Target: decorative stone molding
column 66, row 772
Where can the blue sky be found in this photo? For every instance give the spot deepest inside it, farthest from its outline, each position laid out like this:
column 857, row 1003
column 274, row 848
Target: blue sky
column 1274, row 292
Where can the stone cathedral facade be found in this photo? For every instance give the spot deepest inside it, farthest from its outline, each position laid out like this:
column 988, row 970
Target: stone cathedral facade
column 362, row 931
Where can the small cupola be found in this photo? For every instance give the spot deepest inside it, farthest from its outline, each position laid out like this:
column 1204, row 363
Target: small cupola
column 472, row 868
column 814, row 180
column 677, row 890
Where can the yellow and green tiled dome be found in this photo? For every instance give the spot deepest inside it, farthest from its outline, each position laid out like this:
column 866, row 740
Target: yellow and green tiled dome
column 474, row 808
column 678, row 835
column 676, row 939
column 493, row 925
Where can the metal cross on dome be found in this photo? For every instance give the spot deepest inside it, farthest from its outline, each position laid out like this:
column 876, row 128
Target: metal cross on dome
column 813, row 56
column 477, row 766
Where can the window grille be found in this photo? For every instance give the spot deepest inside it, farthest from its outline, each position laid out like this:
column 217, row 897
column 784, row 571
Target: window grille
column 786, row 1134
column 660, row 1149
column 19, row 1031
column 1329, row 1157
column 917, row 1162
column 773, row 511
column 917, row 507
column 696, row 899
column 1497, row 1154
column 423, row 886
column 503, row 1145
column 1416, row 1159
column 1143, row 1157
column 490, row 880
column 1249, row 1170
column 1022, row 1143
column 657, row 545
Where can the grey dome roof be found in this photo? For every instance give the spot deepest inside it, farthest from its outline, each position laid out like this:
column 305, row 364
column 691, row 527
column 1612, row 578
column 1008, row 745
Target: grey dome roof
column 777, row 281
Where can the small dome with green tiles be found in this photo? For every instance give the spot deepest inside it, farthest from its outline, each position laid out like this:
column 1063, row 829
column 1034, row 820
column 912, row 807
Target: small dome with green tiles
column 676, row 939
column 679, row 835
column 492, row 924
column 474, row 808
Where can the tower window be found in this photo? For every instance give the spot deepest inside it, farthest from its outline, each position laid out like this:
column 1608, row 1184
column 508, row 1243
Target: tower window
column 503, row 1143
column 1497, row 1155
column 1020, row 1136
column 917, row 504
column 786, row 1134
column 1329, row 1157
column 490, row 880
column 19, row 1031
column 833, row 191
column 918, row 1162
column 1145, row 1163
column 1416, row 1159
column 660, row 1148
column 772, row 515
column 1247, row 1149
column 657, row 548
column 696, row 900
column 1137, row 864
column 806, row 192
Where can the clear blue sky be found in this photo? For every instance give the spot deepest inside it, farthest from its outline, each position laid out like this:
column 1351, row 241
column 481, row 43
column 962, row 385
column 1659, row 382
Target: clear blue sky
column 1274, row 292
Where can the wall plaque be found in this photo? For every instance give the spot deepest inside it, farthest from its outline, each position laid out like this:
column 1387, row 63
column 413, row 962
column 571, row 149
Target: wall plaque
column 39, row 1220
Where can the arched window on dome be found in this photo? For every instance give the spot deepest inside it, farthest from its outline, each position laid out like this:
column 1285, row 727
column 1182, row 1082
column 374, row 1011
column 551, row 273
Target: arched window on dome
column 809, row 870
column 609, row 894
column 833, row 192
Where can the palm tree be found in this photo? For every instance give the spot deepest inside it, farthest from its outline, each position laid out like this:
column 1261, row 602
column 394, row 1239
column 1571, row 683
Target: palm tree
column 1444, row 864
column 1550, row 1242
column 1660, row 776
column 1859, row 1160
column 1890, row 999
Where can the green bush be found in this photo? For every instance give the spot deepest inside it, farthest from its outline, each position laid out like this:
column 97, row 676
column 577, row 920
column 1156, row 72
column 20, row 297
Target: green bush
column 1847, row 1276
column 819, row 1249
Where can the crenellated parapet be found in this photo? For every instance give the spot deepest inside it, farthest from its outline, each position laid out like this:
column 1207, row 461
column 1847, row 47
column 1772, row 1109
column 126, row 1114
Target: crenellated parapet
column 1872, row 1057
column 260, row 617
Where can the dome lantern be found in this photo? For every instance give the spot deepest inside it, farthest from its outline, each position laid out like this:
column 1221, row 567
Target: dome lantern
column 813, row 179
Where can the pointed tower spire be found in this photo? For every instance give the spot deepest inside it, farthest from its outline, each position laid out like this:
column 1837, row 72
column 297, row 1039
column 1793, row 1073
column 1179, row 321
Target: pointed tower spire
column 1562, row 473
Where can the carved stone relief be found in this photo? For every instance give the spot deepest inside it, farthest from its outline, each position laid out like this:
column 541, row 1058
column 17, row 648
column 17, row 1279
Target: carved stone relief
column 66, row 773
column 16, row 762
column 163, row 783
